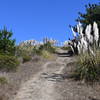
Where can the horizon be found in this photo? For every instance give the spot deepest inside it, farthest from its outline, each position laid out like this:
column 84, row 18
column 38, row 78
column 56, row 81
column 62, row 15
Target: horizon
column 36, row 19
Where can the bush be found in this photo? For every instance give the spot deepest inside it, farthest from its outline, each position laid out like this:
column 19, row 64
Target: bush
column 7, row 44
column 45, row 47
column 8, row 63
column 88, row 67
column 46, row 54
column 48, row 47
column 36, row 51
column 21, row 51
column 3, row 80
column 26, row 58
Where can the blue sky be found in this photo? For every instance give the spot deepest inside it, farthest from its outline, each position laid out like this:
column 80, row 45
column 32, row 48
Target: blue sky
column 35, row 19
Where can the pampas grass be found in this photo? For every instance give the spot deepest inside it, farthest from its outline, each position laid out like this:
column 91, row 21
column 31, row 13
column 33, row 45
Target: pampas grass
column 87, row 41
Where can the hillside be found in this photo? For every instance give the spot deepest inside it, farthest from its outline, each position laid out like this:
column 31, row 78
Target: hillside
column 53, row 82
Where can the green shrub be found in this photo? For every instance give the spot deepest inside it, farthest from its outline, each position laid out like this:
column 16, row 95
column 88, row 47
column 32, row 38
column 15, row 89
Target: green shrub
column 8, row 63
column 48, row 47
column 7, row 44
column 88, row 67
column 26, row 58
column 3, row 80
column 45, row 47
column 36, row 51
column 21, row 51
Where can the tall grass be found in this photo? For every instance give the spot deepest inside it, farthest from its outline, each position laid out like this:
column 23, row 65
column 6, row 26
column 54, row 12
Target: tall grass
column 86, row 41
column 88, row 67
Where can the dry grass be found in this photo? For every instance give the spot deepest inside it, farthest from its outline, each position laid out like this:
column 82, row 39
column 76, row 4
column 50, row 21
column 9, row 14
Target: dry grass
column 14, row 79
column 47, row 55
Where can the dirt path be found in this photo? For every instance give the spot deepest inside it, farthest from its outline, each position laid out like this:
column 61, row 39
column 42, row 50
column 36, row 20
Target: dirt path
column 51, row 83
column 41, row 86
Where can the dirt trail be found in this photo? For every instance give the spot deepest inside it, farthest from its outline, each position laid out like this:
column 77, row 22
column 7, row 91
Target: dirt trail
column 42, row 85
column 52, row 83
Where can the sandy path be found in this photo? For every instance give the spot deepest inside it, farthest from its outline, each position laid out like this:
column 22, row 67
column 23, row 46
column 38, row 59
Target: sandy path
column 41, row 86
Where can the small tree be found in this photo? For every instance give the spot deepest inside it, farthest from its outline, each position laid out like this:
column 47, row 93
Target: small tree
column 91, row 15
column 7, row 45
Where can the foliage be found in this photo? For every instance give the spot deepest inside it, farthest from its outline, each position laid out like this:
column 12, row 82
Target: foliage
column 32, row 48
column 7, row 45
column 3, row 80
column 88, row 67
column 21, row 51
column 8, row 63
column 92, row 14
column 48, row 47
column 36, row 50
column 26, row 58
